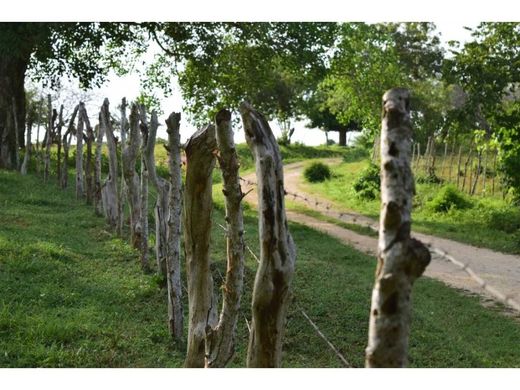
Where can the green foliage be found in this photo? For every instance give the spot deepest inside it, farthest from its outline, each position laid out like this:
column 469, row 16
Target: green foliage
column 368, row 183
column 317, row 172
column 356, row 153
column 449, row 198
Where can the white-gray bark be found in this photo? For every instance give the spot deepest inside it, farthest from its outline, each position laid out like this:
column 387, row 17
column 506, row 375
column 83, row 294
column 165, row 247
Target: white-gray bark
column 89, row 169
column 109, row 190
column 48, row 140
column 98, row 204
column 66, row 147
column 79, row 152
column 220, row 341
column 122, row 189
column 277, row 250
column 401, row 259
column 130, row 153
column 28, row 150
column 173, row 239
column 198, row 206
column 60, row 144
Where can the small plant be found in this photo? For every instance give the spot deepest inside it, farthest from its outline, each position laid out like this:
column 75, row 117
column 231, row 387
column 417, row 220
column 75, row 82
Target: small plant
column 317, row 172
column 368, row 184
column 429, row 179
column 449, row 198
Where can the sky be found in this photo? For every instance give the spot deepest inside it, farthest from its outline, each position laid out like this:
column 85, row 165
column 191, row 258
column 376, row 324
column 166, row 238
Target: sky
column 117, row 87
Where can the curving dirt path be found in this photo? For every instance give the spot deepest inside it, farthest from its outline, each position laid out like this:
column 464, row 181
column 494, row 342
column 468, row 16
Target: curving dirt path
column 499, row 270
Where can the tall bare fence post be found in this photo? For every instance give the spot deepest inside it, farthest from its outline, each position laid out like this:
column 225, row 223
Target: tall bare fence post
column 67, row 138
column 89, row 163
column 401, row 259
column 277, row 249
column 98, row 204
column 122, row 189
column 48, row 140
column 59, row 126
column 144, row 189
column 220, row 341
column 198, row 207
column 79, row 153
column 173, row 234
column 109, row 190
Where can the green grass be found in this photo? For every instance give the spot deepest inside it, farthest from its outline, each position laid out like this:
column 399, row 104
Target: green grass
column 72, row 295
column 491, row 221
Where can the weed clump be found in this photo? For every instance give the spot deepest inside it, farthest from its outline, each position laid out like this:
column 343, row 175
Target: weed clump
column 317, row 172
column 368, row 184
column 449, row 198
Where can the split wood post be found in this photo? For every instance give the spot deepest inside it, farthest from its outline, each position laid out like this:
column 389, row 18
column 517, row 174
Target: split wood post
column 130, row 152
column 28, row 149
column 484, row 172
column 38, row 151
column 109, row 189
column 277, row 249
column 161, row 206
column 173, row 238
column 444, row 159
column 98, row 203
column 59, row 141
column 122, row 189
column 477, row 173
column 470, row 182
column 401, row 259
column 494, row 172
column 79, row 152
column 458, row 166
column 48, row 140
column 431, row 168
column 144, row 189
column 16, row 133
column 220, row 341
column 418, row 162
column 451, row 161
column 198, row 206
column 89, row 171
column 466, row 168
column 67, row 137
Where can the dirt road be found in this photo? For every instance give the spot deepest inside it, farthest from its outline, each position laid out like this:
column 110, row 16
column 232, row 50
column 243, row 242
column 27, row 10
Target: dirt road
column 499, row 270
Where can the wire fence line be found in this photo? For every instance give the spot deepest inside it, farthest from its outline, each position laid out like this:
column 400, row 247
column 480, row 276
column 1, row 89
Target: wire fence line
column 315, row 327
column 506, row 299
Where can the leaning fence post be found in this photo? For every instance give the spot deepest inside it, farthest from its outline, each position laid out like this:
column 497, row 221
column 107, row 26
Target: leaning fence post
column 401, row 259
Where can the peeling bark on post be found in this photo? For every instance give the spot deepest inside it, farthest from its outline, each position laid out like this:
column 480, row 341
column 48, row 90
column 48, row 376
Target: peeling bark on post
column 220, row 341
column 277, row 250
column 198, row 206
column 109, row 194
column 173, row 215
column 144, row 190
column 66, row 147
column 79, row 152
column 89, row 169
column 130, row 152
column 401, row 259
column 98, row 205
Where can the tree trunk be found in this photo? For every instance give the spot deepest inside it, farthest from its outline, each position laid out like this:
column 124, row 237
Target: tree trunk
column 12, row 107
column 173, row 239
column 144, row 190
column 220, row 341
column 58, row 141
column 98, row 204
column 130, row 152
column 28, row 150
column 48, row 140
column 342, row 137
column 109, row 195
column 161, row 206
column 277, row 250
column 79, row 152
column 198, row 205
column 66, row 147
column 89, row 169
column 401, row 259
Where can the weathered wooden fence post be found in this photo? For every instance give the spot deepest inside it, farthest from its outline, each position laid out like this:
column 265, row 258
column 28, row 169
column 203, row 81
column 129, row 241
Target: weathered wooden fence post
column 98, row 203
column 48, row 140
column 173, row 236
column 220, row 341
column 401, row 259
column 59, row 142
column 28, row 149
column 89, row 169
column 198, row 206
column 122, row 189
column 109, row 194
column 277, row 250
column 79, row 152
column 67, row 137
column 144, row 189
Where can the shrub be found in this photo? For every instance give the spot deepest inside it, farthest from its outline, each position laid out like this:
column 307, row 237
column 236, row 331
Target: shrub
column 429, row 179
column 449, row 198
column 317, row 172
column 354, row 154
column 368, row 184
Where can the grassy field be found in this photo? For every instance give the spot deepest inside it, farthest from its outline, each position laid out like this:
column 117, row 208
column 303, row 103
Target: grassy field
column 73, row 295
column 489, row 221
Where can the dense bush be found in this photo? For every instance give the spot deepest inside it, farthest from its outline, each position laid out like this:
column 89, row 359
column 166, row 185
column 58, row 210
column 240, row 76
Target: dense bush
column 368, row 184
column 354, row 154
column 449, row 198
column 429, row 179
column 317, row 172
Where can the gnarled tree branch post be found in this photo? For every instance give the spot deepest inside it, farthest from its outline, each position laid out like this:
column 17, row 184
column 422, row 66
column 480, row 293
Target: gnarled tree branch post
column 89, row 169
column 109, row 194
column 66, row 147
column 198, row 206
column 144, row 189
column 98, row 205
column 130, row 152
column 59, row 126
column 401, row 259
column 173, row 238
column 161, row 206
column 79, row 152
column 277, row 250
column 220, row 341
column 48, row 139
